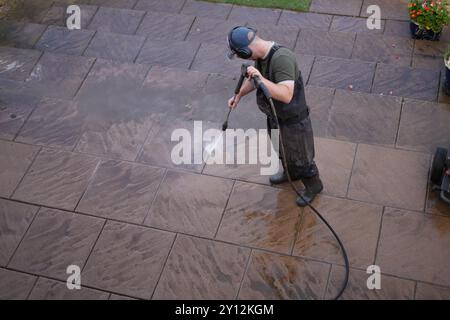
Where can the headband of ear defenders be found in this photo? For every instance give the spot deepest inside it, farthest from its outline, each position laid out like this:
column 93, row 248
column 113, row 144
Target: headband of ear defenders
column 239, row 40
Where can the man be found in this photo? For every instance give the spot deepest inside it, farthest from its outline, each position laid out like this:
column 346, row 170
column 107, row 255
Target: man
column 277, row 68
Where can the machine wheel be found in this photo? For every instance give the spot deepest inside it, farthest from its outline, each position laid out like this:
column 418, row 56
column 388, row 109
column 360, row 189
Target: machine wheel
column 437, row 170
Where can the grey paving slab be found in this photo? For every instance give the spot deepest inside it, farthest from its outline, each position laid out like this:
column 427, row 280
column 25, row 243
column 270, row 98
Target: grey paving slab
column 15, row 159
column 254, row 15
column 54, row 123
column 284, row 35
column 212, row 270
column 305, row 20
column 352, row 24
column 319, row 100
column 15, row 285
column 397, row 28
column 366, row 118
column 57, row 15
column 114, row 46
column 128, row 259
column 380, row 174
column 207, row 29
column 16, row 64
column 55, row 240
column 62, row 40
column 171, row 6
column 20, row 35
column 342, row 7
column 117, row 120
column 14, row 110
column 158, row 25
column 58, row 75
column 406, row 81
column 15, row 218
column 213, row 58
column 56, row 179
column 116, row 20
column 342, row 74
column 396, row 10
column 121, row 191
column 46, row 289
column 168, row 53
column 322, row 43
column 206, row 9
column 424, row 126
column 386, row 49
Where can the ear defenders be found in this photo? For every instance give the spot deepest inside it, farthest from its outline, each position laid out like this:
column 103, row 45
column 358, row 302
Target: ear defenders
column 239, row 39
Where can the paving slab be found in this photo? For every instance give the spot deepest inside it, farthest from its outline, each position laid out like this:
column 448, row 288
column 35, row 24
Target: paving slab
column 117, row 121
column 319, row 101
column 386, row 49
column 54, row 123
column 356, row 223
column 427, row 291
column 116, row 47
column 56, row 179
column 283, row 35
column 15, row 158
column 128, row 259
column 57, row 15
column 254, row 15
column 58, row 75
column 116, row 20
column 260, row 217
column 424, row 126
column 397, row 28
column 323, row 43
column 213, row 58
column 210, row 30
column 168, row 53
column 392, row 288
column 20, row 34
column 176, row 207
column 55, row 240
column 276, row 277
column 342, row 74
column 206, row 9
column 14, row 111
column 305, row 20
column 210, row 270
column 380, row 174
column 46, row 289
column 406, row 82
column 172, row 6
column 404, row 252
column 15, row 218
column 396, row 10
column 352, row 24
column 121, row 191
column 62, row 40
column 366, row 118
column 341, row 7
column 16, row 64
column 15, row 285
column 158, row 25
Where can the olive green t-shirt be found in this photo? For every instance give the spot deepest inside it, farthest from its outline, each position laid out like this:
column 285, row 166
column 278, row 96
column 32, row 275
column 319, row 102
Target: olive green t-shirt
column 283, row 65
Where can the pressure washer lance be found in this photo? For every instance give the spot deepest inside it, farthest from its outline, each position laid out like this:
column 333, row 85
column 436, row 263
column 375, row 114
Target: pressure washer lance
column 260, row 85
column 236, row 91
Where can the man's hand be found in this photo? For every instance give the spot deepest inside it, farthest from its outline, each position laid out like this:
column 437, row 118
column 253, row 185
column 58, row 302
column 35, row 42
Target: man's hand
column 253, row 72
column 233, row 101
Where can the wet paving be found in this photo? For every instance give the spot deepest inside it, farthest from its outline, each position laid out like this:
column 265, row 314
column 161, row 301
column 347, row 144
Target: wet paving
column 87, row 179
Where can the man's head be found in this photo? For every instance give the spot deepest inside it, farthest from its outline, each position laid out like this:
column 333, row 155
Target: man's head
column 243, row 42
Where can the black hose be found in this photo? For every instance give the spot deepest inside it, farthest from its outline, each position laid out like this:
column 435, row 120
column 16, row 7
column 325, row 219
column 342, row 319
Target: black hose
column 283, row 157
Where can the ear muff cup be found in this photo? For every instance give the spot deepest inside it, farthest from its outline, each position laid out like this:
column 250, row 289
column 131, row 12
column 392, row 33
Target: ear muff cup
column 239, row 39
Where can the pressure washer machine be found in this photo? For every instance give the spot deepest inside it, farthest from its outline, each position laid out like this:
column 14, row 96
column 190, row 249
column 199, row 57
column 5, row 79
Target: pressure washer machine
column 440, row 173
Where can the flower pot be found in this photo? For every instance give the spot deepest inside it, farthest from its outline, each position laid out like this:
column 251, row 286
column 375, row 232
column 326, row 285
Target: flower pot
column 447, row 81
column 422, row 33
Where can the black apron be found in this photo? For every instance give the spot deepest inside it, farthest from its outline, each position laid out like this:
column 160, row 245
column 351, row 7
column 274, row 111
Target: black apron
column 295, row 125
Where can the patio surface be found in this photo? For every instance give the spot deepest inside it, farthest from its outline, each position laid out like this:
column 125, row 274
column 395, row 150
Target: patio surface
column 86, row 176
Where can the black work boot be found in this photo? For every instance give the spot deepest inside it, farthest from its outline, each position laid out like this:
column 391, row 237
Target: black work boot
column 313, row 186
column 281, row 177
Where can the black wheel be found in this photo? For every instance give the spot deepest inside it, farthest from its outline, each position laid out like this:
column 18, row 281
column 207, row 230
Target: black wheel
column 437, row 170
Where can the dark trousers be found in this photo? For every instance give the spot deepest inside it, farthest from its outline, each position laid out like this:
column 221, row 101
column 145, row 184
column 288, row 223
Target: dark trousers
column 298, row 142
